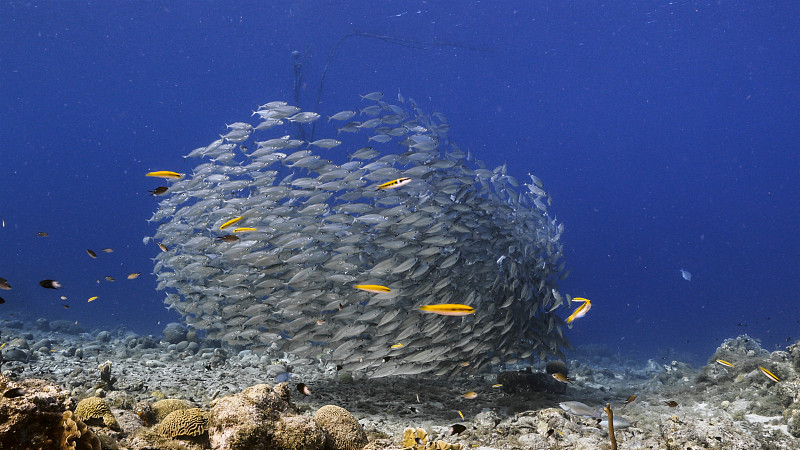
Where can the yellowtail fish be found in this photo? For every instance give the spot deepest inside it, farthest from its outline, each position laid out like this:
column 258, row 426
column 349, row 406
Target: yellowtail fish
column 497, row 385
column 398, row 345
column 562, row 378
column 374, row 288
column 448, row 309
column 91, row 299
column 769, row 374
column 165, row 174
column 394, row 183
column 724, row 363
column 470, row 395
column 582, row 310
column 462, row 415
column 4, row 344
column 230, row 222
column 243, row 229
column 134, row 275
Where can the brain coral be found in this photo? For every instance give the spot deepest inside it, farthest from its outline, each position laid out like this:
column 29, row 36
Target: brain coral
column 94, row 410
column 163, row 408
column 342, row 429
column 184, row 423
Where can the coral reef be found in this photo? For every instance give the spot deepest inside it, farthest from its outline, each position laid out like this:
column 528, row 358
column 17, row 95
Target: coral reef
column 417, row 439
column 342, row 430
column 95, row 411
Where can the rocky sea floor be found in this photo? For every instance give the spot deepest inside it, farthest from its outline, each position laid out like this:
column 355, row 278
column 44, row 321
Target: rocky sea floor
column 716, row 406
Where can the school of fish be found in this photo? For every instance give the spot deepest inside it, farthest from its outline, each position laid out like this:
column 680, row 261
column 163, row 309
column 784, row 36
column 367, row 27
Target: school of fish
column 340, row 244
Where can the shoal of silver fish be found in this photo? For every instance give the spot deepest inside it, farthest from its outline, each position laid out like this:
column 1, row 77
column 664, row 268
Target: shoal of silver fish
column 457, row 232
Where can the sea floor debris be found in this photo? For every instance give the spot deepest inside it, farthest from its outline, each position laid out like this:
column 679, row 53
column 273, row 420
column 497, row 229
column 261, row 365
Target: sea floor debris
column 738, row 411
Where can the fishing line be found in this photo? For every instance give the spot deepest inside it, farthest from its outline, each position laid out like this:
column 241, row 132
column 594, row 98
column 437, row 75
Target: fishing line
column 409, row 43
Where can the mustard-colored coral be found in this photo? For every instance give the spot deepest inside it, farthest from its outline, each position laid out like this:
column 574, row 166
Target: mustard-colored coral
column 76, row 435
column 94, row 410
column 184, row 423
column 418, row 440
column 163, row 408
column 342, row 430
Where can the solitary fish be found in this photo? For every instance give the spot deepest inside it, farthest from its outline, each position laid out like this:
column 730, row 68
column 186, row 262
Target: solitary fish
column 109, row 278
column 769, row 374
column 4, row 284
column 374, row 288
column 582, row 310
column 670, row 403
column 303, row 389
column 394, row 183
column 134, row 275
column 161, row 190
column 107, row 250
column 42, row 234
column 165, row 174
column 724, row 363
column 50, row 284
column 398, row 345
column 448, row 309
column 581, row 409
column 457, row 429
column 163, row 247
column 470, row 395
column 230, row 222
column 91, row 253
column 562, row 378
column 91, row 299
column 686, row 275
column 629, row 400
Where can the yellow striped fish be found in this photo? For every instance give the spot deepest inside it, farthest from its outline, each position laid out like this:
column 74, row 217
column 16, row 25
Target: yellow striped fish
column 582, row 310
column 243, row 229
column 91, row 299
column 394, row 183
column 724, row 363
column 230, row 222
column 448, row 309
column 165, row 174
column 769, row 374
column 374, row 288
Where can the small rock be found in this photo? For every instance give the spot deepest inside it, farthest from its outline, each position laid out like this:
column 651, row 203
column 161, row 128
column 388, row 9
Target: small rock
column 104, row 336
column 15, row 354
column 174, row 333
column 43, row 324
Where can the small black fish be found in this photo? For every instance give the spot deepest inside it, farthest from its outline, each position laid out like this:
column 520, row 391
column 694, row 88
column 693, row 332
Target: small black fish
column 14, row 392
column 671, row 403
column 457, row 429
column 4, row 284
column 303, row 389
column 108, row 278
column 91, row 253
column 66, row 306
column 42, row 234
column 161, row 190
column 50, row 284
column 2, row 300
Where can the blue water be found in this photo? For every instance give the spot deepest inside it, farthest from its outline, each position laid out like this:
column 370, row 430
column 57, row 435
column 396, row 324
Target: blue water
column 665, row 131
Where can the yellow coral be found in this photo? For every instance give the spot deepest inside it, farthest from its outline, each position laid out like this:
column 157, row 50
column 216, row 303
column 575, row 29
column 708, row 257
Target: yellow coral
column 163, row 408
column 94, row 409
column 341, row 428
column 184, row 423
column 76, row 435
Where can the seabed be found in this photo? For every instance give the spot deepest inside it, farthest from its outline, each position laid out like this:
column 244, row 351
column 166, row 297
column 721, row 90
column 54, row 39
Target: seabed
column 49, row 366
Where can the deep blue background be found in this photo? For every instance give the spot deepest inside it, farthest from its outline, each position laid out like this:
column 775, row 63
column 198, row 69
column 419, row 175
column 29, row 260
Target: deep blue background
column 665, row 131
